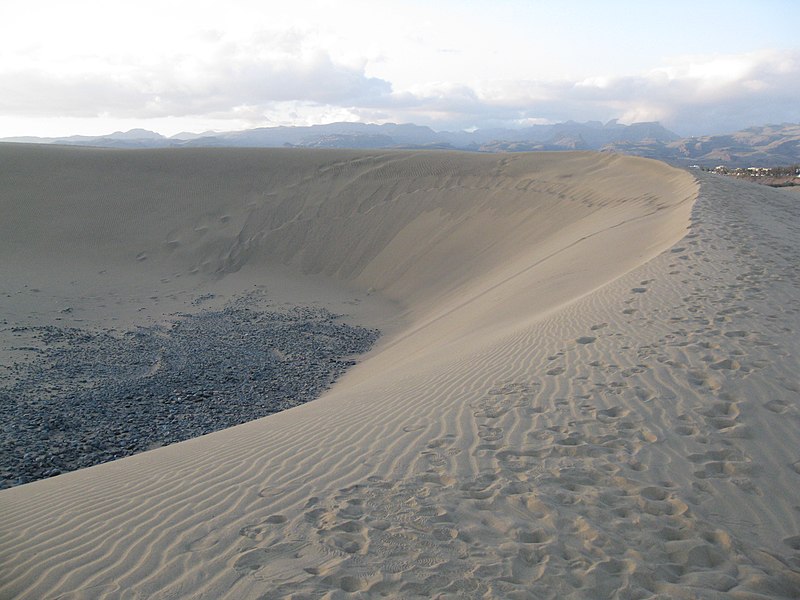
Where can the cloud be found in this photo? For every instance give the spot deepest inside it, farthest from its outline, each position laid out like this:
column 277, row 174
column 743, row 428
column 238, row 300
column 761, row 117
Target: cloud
column 288, row 77
column 214, row 78
column 723, row 93
column 691, row 95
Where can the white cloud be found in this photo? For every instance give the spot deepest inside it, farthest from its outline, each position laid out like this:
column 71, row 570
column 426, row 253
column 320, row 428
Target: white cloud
column 214, row 77
column 691, row 95
column 185, row 70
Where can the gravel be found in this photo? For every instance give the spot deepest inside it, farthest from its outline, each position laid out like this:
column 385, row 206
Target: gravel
column 89, row 397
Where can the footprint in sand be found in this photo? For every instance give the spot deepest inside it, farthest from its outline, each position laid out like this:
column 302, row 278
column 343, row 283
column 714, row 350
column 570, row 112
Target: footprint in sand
column 737, row 334
column 777, row 406
column 613, row 413
column 414, row 427
column 439, row 453
column 480, row 488
column 537, row 536
column 284, row 562
column 727, row 364
column 502, row 399
column 723, row 416
column 793, row 542
column 720, row 464
column 490, row 434
column 522, row 460
column 260, row 531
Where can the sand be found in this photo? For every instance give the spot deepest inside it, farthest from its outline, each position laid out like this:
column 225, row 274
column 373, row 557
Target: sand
column 587, row 385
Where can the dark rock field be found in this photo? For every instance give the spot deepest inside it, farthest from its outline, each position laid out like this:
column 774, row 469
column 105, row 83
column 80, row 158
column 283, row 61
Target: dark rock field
column 91, row 396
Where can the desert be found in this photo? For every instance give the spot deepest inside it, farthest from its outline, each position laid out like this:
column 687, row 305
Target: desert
column 585, row 385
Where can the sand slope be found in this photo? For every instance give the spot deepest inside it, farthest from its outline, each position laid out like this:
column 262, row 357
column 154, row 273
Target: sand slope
column 588, row 387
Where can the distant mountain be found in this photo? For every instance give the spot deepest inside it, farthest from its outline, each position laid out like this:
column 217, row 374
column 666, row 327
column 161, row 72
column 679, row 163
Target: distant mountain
column 591, row 136
column 333, row 135
column 135, row 138
column 577, row 136
column 771, row 145
column 135, row 134
column 188, row 135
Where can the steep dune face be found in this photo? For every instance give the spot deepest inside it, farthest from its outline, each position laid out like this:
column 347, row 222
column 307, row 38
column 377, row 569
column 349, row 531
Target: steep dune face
column 570, row 409
column 432, row 231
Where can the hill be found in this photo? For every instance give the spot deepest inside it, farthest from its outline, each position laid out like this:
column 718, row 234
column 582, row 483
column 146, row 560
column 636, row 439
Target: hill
column 767, row 146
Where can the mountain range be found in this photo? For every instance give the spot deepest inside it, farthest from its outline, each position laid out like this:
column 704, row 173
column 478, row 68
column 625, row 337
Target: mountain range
column 769, row 145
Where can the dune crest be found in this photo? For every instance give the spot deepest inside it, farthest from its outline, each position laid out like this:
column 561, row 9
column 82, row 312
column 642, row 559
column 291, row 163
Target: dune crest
column 579, row 394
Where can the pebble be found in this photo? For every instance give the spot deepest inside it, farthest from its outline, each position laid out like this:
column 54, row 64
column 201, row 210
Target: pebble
column 88, row 396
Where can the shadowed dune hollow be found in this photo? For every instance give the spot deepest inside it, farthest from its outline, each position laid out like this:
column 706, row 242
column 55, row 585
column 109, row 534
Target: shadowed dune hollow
column 492, row 240
column 576, row 395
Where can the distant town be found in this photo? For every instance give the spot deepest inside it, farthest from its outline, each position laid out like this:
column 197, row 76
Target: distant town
column 772, row 176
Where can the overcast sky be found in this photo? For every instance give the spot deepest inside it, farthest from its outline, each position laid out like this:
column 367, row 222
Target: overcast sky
column 93, row 67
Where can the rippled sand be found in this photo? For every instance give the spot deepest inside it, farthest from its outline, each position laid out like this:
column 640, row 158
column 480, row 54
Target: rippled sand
column 587, row 386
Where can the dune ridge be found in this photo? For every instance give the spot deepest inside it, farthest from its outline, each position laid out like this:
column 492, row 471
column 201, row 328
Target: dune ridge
column 587, row 387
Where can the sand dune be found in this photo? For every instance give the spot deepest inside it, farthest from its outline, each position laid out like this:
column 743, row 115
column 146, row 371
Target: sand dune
column 587, row 387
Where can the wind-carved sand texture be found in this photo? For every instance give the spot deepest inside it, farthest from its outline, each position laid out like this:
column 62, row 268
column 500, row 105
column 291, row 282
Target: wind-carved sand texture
column 587, row 389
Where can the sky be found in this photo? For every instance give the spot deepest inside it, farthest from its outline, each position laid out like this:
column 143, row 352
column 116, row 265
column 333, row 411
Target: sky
column 93, row 67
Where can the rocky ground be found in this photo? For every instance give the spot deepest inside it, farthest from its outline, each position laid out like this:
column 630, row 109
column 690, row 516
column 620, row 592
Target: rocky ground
column 91, row 396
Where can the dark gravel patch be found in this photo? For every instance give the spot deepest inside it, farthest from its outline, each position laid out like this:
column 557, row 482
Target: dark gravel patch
column 89, row 397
